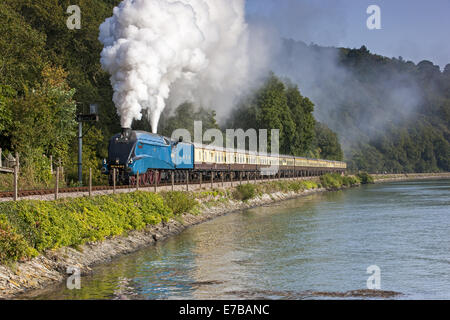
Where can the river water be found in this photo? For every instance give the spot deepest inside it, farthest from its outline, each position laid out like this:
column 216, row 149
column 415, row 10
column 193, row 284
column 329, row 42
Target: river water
column 323, row 242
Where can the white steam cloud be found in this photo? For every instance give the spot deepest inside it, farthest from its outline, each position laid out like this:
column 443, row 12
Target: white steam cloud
column 161, row 52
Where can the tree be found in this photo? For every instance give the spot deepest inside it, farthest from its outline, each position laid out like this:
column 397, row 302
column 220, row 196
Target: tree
column 327, row 143
column 22, row 50
column 44, row 117
column 302, row 114
column 7, row 95
column 184, row 117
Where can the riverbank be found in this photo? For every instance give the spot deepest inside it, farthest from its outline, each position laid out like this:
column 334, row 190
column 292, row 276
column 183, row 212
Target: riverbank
column 50, row 267
column 381, row 178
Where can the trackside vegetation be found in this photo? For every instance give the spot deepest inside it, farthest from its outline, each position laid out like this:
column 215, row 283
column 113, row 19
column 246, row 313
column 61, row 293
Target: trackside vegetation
column 28, row 228
column 365, row 178
column 336, row 181
column 249, row 191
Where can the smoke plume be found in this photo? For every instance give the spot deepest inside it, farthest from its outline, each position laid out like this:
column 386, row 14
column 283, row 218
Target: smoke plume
column 358, row 109
column 161, row 52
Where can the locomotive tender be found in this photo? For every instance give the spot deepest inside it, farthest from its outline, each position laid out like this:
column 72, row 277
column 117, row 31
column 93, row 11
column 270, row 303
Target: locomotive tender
column 154, row 158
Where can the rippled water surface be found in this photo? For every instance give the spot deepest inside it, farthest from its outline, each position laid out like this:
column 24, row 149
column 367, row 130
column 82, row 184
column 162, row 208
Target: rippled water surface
column 322, row 242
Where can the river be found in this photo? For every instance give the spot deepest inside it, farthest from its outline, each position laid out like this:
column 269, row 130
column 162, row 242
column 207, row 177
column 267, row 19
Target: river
column 323, row 242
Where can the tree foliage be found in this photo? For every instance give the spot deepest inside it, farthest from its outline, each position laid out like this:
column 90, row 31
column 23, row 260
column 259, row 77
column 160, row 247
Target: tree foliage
column 280, row 105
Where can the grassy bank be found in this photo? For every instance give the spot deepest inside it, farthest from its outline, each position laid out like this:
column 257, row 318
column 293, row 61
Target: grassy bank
column 28, row 228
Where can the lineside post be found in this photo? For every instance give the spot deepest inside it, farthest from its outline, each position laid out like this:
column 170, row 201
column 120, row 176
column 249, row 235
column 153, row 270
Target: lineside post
column 172, row 177
column 231, row 178
column 201, row 179
column 90, row 181
column 114, row 180
column 137, row 180
column 187, row 180
column 57, row 184
column 62, row 169
column 16, row 178
column 212, row 179
column 156, row 180
column 223, row 177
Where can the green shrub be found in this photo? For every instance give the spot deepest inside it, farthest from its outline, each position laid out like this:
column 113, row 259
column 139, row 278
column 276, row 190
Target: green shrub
column 13, row 247
column 181, row 202
column 308, row 184
column 285, row 186
column 334, row 181
column 244, row 192
column 42, row 225
column 349, row 181
column 331, row 181
column 365, row 178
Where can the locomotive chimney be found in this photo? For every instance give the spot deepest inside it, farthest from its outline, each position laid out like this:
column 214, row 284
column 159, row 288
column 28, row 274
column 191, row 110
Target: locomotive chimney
column 126, row 133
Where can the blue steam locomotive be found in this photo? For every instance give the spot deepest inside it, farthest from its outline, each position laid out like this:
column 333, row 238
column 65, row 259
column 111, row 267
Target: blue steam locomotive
column 138, row 152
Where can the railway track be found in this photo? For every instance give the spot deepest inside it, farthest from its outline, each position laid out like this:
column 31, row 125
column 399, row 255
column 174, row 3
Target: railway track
column 41, row 192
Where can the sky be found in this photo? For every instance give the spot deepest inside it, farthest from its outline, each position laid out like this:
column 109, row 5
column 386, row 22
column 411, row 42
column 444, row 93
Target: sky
column 414, row 29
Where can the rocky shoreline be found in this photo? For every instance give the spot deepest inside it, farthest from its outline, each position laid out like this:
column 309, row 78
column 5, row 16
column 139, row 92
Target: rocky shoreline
column 51, row 267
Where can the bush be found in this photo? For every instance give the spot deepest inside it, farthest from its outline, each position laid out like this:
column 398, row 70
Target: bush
column 28, row 227
column 180, row 202
column 365, row 178
column 334, row 181
column 244, row 192
column 331, row 181
column 13, row 247
column 349, row 181
column 307, row 185
column 285, row 186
